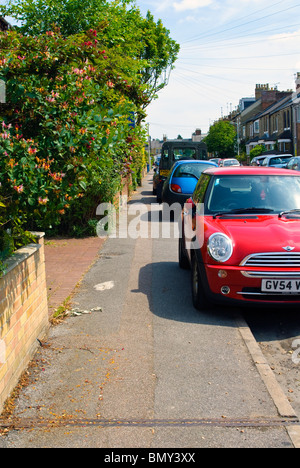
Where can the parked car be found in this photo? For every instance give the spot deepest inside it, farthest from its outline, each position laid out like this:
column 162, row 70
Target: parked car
column 176, row 150
column 294, row 164
column 216, row 160
column 155, row 180
column 182, row 180
column 257, row 161
column 276, row 160
column 241, row 237
column 229, row 162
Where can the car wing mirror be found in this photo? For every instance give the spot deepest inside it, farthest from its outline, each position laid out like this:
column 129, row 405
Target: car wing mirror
column 190, row 206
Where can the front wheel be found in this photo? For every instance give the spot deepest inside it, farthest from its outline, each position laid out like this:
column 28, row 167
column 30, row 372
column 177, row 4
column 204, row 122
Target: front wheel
column 183, row 256
column 200, row 300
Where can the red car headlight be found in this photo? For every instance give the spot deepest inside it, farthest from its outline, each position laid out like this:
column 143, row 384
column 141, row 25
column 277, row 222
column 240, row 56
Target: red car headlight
column 220, row 247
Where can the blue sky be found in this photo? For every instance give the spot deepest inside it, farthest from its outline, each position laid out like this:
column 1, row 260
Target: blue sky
column 227, row 47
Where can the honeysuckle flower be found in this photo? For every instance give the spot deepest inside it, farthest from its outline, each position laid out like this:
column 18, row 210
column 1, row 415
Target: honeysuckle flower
column 19, row 188
column 32, row 150
column 43, row 201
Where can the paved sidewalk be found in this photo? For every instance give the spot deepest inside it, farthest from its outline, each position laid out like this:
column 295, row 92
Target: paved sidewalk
column 147, row 370
column 67, row 261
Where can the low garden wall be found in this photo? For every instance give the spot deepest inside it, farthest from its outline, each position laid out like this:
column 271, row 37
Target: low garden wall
column 23, row 313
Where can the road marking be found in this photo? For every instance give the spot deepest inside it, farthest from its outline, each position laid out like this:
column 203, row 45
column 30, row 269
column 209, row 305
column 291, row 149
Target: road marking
column 105, row 286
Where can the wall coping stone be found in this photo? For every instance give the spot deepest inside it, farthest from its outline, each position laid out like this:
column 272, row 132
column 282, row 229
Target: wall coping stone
column 22, row 254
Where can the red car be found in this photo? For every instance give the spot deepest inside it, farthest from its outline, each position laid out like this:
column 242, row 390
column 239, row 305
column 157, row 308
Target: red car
column 241, row 237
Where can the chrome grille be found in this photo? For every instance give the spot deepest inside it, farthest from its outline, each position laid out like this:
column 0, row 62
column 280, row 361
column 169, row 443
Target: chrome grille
column 274, row 259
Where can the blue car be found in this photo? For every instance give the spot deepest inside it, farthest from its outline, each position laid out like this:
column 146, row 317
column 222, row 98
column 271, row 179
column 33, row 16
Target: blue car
column 182, row 180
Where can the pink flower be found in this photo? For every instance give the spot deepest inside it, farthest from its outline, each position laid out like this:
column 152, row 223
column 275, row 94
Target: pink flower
column 43, row 201
column 19, row 188
column 32, row 150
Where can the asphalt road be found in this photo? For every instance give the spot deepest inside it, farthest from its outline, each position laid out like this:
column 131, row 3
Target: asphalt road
column 148, row 370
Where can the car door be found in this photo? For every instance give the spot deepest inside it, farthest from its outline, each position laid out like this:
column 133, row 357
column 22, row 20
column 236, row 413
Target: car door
column 194, row 216
column 291, row 163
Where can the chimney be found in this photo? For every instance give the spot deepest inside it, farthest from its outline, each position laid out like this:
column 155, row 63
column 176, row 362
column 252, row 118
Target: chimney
column 260, row 88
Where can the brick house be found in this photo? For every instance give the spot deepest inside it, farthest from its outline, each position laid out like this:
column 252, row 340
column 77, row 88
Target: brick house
column 296, row 118
column 273, row 127
column 268, row 121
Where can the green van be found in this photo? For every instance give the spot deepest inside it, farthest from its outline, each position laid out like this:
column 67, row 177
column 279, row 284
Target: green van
column 173, row 151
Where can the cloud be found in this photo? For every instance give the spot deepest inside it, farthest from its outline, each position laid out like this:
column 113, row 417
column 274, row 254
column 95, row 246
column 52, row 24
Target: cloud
column 191, row 4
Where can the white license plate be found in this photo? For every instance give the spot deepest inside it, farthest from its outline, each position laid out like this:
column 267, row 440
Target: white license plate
column 280, row 286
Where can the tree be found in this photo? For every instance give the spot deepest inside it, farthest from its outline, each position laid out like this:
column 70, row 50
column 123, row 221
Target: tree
column 119, row 25
column 65, row 138
column 221, row 139
column 257, row 151
column 78, row 76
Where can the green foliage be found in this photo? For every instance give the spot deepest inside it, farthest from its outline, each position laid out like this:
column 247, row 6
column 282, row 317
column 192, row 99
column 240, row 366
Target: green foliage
column 119, row 24
column 221, row 139
column 257, row 151
column 75, row 73
column 63, row 142
column 12, row 234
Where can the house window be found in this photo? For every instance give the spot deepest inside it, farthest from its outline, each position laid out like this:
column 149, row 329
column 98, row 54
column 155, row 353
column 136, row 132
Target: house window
column 251, row 130
column 286, row 120
column 266, row 125
column 275, row 124
column 256, row 126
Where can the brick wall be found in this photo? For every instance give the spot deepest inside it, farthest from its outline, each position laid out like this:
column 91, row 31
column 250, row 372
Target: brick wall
column 23, row 313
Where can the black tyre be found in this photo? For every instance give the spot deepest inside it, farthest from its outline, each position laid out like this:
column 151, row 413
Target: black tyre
column 183, row 256
column 200, row 300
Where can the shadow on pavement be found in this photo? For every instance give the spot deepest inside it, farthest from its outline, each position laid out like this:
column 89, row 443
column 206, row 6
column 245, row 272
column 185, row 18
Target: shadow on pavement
column 170, row 297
